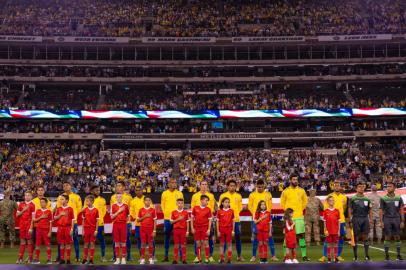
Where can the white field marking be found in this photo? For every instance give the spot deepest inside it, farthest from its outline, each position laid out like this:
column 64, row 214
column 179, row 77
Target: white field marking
column 381, row 249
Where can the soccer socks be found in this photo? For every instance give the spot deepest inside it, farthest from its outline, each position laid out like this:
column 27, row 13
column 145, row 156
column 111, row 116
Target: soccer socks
column 340, row 246
column 398, row 244
column 91, row 254
column 302, row 244
column 150, row 250
column 238, row 245
column 175, row 252
column 325, row 249
column 128, row 242
column 271, row 244
column 49, row 253
column 167, row 241
column 68, row 253
column 229, row 254
column 211, row 246
column 183, row 252
column 76, row 244
column 62, row 253
column 198, row 253
column 255, row 247
column 116, row 252
column 366, row 248
column 37, row 254
column 22, row 251
column 293, row 253
column 142, row 252
column 85, row 252
column 100, row 237
column 355, row 249
column 30, row 250
column 329, row 252
column 207, row 252
column 260, row 251
column 386, row 247
column 335, row 251
column 124, row 252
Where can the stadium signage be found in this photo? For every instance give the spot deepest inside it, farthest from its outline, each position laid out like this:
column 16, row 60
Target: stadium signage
column 355, row 37
column 92, row 39
column 178, row 40
column 20, row 39
column 267, row 39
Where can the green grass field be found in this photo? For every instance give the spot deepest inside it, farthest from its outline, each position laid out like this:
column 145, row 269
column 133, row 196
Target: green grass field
column 9, row 256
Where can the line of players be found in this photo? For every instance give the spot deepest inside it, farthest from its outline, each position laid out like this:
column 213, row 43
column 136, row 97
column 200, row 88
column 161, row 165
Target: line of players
column 36, row 217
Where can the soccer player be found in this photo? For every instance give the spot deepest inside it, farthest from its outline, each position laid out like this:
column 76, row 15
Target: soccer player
column 168, row 205
column 120, row 214
column 201, row 223
column 147, row 219
column 204, row 190
column 225, row 228
column 180, row 222
column 37, row 202
column 126, row 199
column 25, row 213
column 340, row 203
column 290, row 236
column 359, row 211
column 76, row 203
column 65, row 218
column 236, row 206
column 90, row 216
column 294, row 197
column 262, row 220
column 100, row 204
column 260, row 194
column 392, row 218
column 332, row 223
column 43, row 225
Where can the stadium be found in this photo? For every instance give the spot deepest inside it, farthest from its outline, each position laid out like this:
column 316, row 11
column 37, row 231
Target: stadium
column 212, row 132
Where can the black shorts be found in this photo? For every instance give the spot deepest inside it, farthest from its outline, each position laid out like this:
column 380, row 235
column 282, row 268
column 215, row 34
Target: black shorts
column 360, row 225
column 391, row 226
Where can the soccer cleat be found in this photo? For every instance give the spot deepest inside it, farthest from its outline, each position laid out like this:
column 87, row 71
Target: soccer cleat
column 336, row 260
column 166, row 259
column 61, row 262
column 355, row 259
column 367, row 259
column 274, row 259
column 151, row 261
column 84, row 261
column 240, row 259
column 221, row 261
column 19, row 261
column 211, row 259
column 387, row 258
column 295, row 261
column 90, row 262
column 289, row 261
column 103, row 259
column 305, row 259
column 253, row 259
column 123, row 261
column 35, row 262
column 399, row 258
column 228, row 261
column 142, row 261
column 323, row 259
column 117, row 261
column 196, row 260
column 184, row 262
column 49, row 262
column 341, row 259
column 174, row 262
column 68, row 262
column 77, row 260
column 329, row 260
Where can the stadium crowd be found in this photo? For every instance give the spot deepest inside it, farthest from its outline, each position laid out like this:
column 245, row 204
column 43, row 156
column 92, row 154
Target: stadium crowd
column 201, row 18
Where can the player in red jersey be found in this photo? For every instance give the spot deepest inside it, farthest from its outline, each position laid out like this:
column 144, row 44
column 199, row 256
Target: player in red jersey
column 180, row 221
column 201, row 224
column 225, row 228
column 65, row 218
column 147, row 220
column 262, row 220
column 43, row 224
column 290, row 237
column 90, row 216
column 331, row 218
column 120, row 215
column 25, row 213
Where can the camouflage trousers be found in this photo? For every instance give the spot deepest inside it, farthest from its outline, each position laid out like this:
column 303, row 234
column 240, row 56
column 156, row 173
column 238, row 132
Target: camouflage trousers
column 7, row 226
column 312, row 221
column 375, row 224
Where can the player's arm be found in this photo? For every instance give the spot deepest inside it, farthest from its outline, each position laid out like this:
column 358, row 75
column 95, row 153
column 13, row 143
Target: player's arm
column 192, row 219
column 115, row 214
column 218, row 227
column 20, row 212
column 187, row 227
column 239, row 203
column 370, row 212
column 270, row 203
column 58, row 215
column 257, row 219
column 73, row 217
column 381, row 213
column 97, row 222
column 304, row 199
column 163, row 202
column 50, row 227
column 78, row 204
column 209, row 229
column 250, row 203
column 283, row 200
column 173, row 220
column 270, row 224
column 402, row 213
column 154, row 231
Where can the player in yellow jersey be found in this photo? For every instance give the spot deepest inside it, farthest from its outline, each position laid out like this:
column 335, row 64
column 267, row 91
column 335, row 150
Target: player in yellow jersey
column 260, row 194
column 76, row 203
column 236, row 206
column 100, row 204
column 126, row 198
column 340, row 203
column 204, row 190
column 169, row 204
column 295, row 197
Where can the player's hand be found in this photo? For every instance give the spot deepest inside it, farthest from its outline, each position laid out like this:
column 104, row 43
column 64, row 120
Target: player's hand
column 208, row 233
column 95, row 233
column 270, row 233
column 62, row 214
column 25, row 208
column 187, row 234
column 147, row 215
column 193, row 231
column 232, row 233
column 326, row 233
column 71, row 232
column 218, row 233
column 153, row 233
column 402, row 225
column 30, row 231
column 49, row 234
column 383, row 225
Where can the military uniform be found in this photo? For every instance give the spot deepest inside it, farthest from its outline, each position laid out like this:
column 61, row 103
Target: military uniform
column 312, row 218
column 376, row 220
column 7, row 223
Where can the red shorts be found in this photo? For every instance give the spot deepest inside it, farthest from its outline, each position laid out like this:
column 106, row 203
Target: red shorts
column 88, row 235
column 262, row 236
column 146, row 234
column 41, row 236
column 201, row 233
column 24, row 233
column 226, row 234
column 120, row 232
column 179, row 236
column 332, row 238
column 63, row 236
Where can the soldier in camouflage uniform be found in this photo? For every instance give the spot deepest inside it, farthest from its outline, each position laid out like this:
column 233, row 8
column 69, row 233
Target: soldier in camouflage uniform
column 376, row 220
column 312, row 217
column 7, row 224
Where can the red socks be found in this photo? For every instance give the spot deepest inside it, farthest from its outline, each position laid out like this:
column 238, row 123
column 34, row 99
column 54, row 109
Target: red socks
column 62, row 251
column 176, row 252
column 48, row 253
column 68, row 253
column 142, row 253
column 37, row 254
column 335, row 252
column 229, row 254
column 22, row 251
column 117, row 252
column 199, row 253
column 85, row 252
column 150, row 250
column 91, row 254
column 30, row 250
column 123, row 252
column 183, row 252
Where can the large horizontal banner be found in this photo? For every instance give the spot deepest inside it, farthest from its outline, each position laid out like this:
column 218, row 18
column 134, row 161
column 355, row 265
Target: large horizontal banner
column 355, row 37
column 202, row 114
column 275, row 39
column 178, row 40
column 20, row 39
column 92, row 39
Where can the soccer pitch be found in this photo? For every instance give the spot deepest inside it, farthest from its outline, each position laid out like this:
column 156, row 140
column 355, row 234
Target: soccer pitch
column 9, row 256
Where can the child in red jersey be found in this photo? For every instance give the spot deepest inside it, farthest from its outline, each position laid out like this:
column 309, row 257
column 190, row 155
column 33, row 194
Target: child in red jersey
column 43, row 223
column 120, row 215
column 25, row 212
column 331, row 218
column 180, row 221
column 263, row 220
column 65, row 218
column 90, row 216
column 225, row 228
column 201, row 224
column 290, row 237
column 147, row 220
